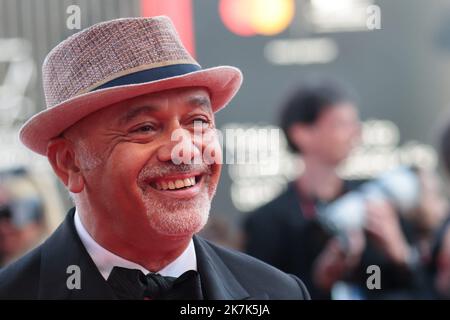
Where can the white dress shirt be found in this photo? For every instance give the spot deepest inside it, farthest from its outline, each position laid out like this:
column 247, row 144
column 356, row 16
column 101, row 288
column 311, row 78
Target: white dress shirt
column 105, row 260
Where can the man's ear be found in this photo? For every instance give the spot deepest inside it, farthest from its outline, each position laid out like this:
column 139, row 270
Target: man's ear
column 300, row 135
column 61, row 155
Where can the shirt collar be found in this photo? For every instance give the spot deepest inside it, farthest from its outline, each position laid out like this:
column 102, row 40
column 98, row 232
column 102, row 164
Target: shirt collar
column 105, row 260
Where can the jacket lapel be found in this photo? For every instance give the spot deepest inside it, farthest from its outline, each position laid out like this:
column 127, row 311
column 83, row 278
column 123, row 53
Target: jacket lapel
column 218, row 281
column 62, row 250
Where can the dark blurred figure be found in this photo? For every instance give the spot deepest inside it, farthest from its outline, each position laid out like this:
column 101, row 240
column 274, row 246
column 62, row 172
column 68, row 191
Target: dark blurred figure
column 440, row 266
column 440, row 258
column 321, row 123
column 21, row 216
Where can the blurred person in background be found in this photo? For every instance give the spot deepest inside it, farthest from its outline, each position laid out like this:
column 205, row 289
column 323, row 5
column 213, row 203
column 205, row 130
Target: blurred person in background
column 22, row 223
column 440, row 265
column 429, row 215
column 321, row 123
column 440, row 258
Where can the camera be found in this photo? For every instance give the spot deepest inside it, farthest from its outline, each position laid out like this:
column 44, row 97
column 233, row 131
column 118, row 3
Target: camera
column 400, row 187
column 22, row 211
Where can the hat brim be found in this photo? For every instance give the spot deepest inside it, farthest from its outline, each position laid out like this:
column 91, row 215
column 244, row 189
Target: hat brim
column 222, row 83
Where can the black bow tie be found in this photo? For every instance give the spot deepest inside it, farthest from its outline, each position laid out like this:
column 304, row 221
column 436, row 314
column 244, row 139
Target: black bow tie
column 133, row 284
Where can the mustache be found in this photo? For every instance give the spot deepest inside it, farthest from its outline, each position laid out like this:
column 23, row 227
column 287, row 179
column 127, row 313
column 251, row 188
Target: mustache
column 159, row 171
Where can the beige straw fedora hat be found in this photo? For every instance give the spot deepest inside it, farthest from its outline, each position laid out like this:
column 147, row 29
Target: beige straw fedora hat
column 113, row 61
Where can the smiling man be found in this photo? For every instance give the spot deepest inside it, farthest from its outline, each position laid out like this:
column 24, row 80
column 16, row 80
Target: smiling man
column 125, row 103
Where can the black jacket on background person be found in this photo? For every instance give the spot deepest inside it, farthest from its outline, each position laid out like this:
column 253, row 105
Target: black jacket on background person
column 224, row 274
column 280, row 234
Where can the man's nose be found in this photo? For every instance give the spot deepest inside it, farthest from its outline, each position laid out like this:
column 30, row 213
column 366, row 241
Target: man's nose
column 180, row 147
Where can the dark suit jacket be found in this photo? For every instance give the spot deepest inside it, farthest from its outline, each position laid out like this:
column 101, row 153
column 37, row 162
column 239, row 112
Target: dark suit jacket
column 225, row 274
column 278, row 233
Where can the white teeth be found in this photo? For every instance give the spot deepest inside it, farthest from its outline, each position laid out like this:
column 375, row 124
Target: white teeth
column 187, row 182
column 175, row 184
column 179, row 184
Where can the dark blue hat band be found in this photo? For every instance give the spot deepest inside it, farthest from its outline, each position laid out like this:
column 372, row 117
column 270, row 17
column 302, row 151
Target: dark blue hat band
column 150, row 75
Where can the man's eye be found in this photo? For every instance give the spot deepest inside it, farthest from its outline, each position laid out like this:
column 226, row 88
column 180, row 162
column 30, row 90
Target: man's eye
column 145, row 128
column 202, row 121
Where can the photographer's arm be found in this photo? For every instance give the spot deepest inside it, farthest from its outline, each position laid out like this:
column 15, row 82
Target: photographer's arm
column 335, row 261
column 383, row 226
